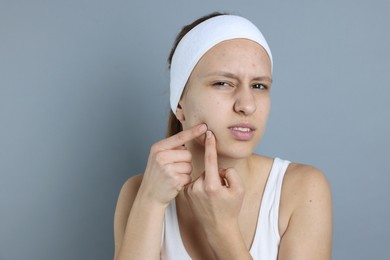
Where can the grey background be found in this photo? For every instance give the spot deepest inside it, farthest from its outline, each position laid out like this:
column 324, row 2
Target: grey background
column 84, row 93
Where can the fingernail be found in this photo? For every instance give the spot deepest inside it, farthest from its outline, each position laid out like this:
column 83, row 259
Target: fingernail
column 208, row 134
column 203, row 128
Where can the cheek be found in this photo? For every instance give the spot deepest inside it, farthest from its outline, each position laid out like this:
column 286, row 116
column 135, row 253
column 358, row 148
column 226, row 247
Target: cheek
column 204, row 110
column 210, row 118
column 194, row 117
column 266, row 109
column 199, row 112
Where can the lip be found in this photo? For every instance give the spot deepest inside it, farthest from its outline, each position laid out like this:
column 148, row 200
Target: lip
column 240, row 135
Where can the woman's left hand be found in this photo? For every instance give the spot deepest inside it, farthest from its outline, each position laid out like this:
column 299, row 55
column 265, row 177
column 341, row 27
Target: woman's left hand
column 216, row 196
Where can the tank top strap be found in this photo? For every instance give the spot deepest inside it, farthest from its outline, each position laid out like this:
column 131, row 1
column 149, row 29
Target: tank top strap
column 267, row 239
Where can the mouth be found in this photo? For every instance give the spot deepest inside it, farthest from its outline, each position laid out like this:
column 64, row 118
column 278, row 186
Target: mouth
column 242, row 132
column 242, row 129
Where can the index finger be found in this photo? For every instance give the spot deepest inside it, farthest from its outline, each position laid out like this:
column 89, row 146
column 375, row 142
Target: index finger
column 211, row 160
column 182, row 137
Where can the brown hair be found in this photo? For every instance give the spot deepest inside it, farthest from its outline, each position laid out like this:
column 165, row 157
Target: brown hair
column 174, row 126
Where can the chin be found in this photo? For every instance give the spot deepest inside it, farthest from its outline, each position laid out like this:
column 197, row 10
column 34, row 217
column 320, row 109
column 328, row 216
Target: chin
column 235, row 151
column 229, row 147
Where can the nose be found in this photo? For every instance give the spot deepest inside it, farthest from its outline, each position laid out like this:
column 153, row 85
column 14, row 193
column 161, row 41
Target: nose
column 245, row 102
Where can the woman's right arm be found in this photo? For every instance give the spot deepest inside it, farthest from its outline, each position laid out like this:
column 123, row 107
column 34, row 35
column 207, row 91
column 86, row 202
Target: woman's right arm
column 137, row 224
column 143, row 199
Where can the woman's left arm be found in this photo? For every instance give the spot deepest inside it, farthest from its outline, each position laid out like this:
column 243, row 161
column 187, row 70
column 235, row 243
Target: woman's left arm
column 309, row 231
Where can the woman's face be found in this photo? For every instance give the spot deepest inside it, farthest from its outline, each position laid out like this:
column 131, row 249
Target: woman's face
column 229, row 90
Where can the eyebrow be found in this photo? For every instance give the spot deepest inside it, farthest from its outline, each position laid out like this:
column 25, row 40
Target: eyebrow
column 233, row 76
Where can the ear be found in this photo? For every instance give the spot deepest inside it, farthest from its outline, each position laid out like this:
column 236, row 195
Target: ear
column 180, row 112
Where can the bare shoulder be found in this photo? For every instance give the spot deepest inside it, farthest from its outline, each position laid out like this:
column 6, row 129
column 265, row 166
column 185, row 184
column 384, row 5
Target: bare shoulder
column 305, row 179
column 125, row 201
column 303, row 185
column 305, row 222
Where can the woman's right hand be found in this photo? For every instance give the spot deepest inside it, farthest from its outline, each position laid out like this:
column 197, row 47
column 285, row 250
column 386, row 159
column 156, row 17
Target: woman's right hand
column 169, row 167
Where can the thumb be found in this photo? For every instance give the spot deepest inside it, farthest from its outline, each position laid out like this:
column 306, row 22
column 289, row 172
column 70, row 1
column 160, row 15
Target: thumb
column 232, row 178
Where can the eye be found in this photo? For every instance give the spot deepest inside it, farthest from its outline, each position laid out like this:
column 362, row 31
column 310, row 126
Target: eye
column 221, row 84
column 260, row 86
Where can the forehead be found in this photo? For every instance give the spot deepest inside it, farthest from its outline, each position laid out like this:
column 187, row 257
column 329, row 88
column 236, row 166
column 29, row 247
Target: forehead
column 235, row 53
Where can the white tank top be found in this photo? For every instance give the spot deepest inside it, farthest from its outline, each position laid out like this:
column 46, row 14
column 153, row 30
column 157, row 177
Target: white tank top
column 266, row 241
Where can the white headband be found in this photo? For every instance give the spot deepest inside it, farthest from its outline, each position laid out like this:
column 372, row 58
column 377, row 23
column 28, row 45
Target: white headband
column 202, row 38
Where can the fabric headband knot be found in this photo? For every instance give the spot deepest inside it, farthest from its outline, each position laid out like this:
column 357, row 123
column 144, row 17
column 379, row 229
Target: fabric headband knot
column 200, row 39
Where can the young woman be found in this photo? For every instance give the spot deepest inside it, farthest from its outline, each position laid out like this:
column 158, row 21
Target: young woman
column 204, row 194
